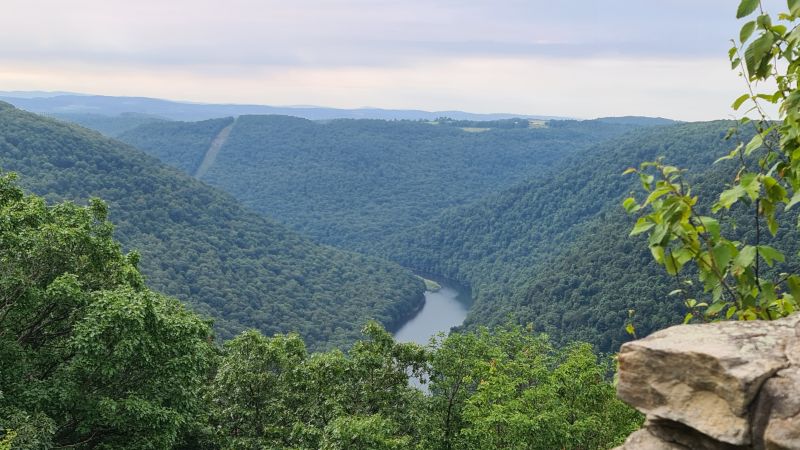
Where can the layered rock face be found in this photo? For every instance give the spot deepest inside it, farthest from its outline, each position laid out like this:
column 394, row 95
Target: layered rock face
column 726, row 385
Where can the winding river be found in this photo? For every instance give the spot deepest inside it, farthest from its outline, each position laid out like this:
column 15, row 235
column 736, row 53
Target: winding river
column 444, row 309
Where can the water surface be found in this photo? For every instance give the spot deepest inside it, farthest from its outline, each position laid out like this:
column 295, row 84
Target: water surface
column 444, row 309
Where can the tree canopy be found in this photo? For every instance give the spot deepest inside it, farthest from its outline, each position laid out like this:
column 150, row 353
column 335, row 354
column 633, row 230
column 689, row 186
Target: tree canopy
column 201, row 246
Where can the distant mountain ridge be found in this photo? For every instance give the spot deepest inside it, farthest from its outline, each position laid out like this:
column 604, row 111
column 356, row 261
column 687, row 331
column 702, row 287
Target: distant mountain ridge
column 64, row 103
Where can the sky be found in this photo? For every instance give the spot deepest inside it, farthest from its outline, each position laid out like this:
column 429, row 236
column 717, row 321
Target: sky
column 578, row 58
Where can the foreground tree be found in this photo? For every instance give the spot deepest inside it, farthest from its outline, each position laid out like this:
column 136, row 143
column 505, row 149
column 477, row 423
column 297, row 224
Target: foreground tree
column 506, row 388
column 733, row 264
column 268, row 393
column 89, row 357
column 510, row 389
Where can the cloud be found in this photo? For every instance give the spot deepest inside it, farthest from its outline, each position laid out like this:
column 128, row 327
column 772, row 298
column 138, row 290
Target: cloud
column 369, row 33
column 438, row 54
column 698, row 89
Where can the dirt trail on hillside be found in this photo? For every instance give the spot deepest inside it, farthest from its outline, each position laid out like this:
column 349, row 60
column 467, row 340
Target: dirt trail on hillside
column 213, row 150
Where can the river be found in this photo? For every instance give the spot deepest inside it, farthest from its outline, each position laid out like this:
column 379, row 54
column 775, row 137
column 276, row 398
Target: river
column 443, row 309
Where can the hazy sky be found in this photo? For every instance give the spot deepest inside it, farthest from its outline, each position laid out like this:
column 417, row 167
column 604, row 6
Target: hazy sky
column 580, row 58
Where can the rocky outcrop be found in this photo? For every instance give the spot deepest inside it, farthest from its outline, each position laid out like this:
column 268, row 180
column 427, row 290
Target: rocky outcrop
column 727, row 385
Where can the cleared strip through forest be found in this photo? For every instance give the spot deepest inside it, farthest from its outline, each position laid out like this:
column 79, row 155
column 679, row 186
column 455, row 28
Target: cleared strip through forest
column 213, row 150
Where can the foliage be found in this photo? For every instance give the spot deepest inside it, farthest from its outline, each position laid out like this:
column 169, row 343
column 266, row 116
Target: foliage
column 510, row 389
column 548, row 251
column 270, row 393
column 7, row 439
column 502, row 389
column 202, row 247
column 88, row 356
column 91, row 358
column 351, row 183
column 766, row 179
column 188, row 141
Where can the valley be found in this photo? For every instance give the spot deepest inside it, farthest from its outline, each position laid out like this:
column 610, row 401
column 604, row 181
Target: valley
column 316, row 233
column 507, row 225
column 437, row 199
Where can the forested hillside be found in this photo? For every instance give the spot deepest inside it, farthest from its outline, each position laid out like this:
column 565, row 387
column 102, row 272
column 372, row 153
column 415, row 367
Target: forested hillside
column 189, row 141
column 554, row 251
column 352, row 182
column 201, row 246
column 91, row 358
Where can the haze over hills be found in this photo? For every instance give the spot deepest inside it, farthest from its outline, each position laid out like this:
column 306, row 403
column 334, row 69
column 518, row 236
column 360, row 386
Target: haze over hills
column 202, row 246
column 70, row 103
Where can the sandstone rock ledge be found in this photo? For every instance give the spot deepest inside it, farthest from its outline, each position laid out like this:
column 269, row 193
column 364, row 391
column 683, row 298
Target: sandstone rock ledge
column 727, row 385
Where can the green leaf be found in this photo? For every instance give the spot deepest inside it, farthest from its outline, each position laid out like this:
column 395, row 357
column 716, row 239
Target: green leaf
column 715, row 308
column 755, row 143
column 629, row 329
column 656, row 194
column 768, row 293
column 629, row 170
column 738, row 102
column 723, row 253
column 630, row 205
column 764, row 21
column 671, row 265
column 647, row 181
column 748, row 314
column 687, row 318
column 745, row 33
column 794, row 200
column 769, row 254
column 793, row 283
column 751, row 184
column 746, row 7
column 732, row 154
column 730, row 196
column 794, row 6
column 641, row 226
column 757, row 54
column 657, row 237
column 745, row 257
column 658, row 253
column 780, row 29
column 711, row 226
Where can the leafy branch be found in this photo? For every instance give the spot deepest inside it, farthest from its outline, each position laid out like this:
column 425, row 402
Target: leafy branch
column 768, row 57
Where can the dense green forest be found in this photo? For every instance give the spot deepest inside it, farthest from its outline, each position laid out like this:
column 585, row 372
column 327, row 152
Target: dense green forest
column 201, row 246
column 537, row 252
column 352, row 182
column 91, row 358
column 546, row 251
column 188, row 141
column 553, row 251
